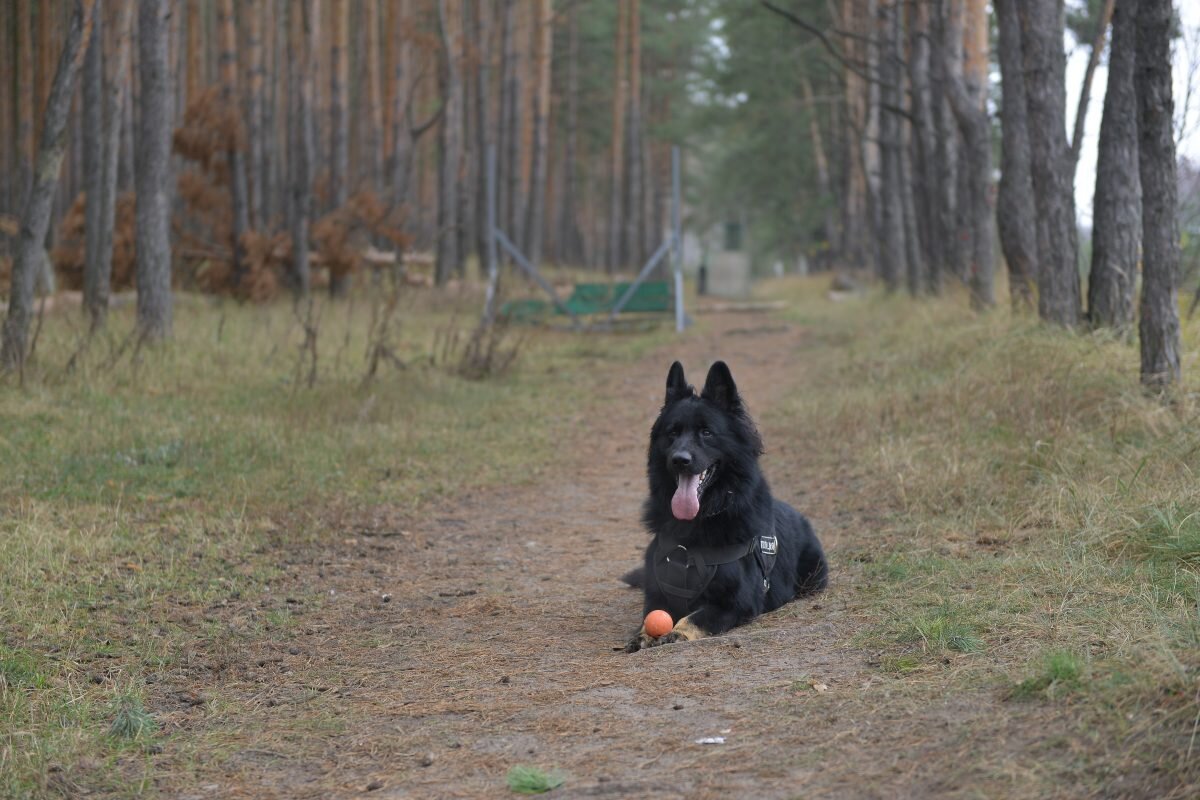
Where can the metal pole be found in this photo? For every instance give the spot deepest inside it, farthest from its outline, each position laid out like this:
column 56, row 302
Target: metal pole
column 493, row 268
column 646, row 270
column 523, row 262
column 677, row 240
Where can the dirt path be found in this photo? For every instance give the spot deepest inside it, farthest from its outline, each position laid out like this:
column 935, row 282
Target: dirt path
column 423, row 658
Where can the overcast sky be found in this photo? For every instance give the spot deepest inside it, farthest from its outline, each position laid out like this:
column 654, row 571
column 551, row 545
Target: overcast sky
column 1085, row 178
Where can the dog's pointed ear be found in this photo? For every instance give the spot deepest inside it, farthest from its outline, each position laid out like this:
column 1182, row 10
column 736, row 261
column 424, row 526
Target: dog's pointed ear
column 677, row 385
column 720, row 389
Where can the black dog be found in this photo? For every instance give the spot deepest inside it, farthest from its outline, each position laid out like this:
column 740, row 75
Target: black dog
column 724, row 550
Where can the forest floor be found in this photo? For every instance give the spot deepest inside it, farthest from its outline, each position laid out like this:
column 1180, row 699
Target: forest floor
column 318, row 601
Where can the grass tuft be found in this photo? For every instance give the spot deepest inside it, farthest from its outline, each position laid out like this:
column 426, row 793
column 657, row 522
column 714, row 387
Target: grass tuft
column 19, row 669
column 524, row 779
column 131, row 721
column 1171, row 534
column 1061, row 673
column 944, row 628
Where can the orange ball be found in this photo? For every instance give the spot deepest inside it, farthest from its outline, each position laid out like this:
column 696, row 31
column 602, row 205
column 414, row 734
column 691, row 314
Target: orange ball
column 658, row 623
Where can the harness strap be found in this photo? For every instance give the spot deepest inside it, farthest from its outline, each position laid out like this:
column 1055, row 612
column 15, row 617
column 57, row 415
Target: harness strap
column 684, row 573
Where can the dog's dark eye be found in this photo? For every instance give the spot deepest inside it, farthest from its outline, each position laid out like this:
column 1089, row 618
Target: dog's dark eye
column 705, row 432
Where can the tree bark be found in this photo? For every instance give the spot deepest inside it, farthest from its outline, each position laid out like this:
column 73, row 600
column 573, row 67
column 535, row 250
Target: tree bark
column 511, row 127
column 402, row 143
column 893, row 261
column 1158, row 327
column 1045, row 91
column 153, row 168
column 544, row 25
column 1085, row 90
column 97, row 279
column 93, row 169
column 301, row 47
column 569, row 237
column 40, row 199
column 484, row 127
column 946, row 156
column 256, row 130
column 227, row 24
column 339, row 139
column 620, row 89
column 374, row 96
column 447, row 255
column 925, row 140
column 635, row 215
column 824, row 184
column 1016, row 213
column 977, row 167
column 1117, row 209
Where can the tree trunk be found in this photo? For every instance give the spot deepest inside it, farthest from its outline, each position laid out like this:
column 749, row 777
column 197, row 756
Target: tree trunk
column 946, row 257
column 8, row 141
column 40, row 198
column 301, row 47
column 620, row 89
column 195, row 50
column 1159, row 325
column 634, row 215
column 1117, row 210
column 1085, row 91
column 450, row 18
column 374, row 96
column 544, row 25
column 1045, row 92
column 823, row 181
column 25, row 102
column 569, row 237
column 339, row 139
column 227, row 24
column 153, row 170
column 484, row 126
column 925, row 140
column 97, row 278
column 977, row 167
column 1016, row 213
column 258, row 170
column 402, row 144
column 893, row 261
column 93, row 169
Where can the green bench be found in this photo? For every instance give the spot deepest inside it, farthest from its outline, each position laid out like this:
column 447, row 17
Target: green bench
column 595, row 298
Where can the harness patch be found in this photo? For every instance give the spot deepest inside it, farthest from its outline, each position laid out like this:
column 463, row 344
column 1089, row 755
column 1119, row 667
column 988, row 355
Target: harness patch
column 768, row 545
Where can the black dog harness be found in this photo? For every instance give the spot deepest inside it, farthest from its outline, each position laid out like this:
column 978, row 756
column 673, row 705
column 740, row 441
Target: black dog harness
column 684, row 572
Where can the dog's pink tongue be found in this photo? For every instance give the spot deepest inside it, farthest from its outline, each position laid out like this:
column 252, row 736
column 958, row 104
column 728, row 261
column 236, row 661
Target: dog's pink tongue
column 686, row 502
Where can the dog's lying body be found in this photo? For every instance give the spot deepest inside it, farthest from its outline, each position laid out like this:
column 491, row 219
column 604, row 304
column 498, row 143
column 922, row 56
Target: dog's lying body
column 714, row 520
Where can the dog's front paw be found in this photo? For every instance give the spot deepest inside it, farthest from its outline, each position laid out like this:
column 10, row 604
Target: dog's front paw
column 640, row 642
column 684, row 631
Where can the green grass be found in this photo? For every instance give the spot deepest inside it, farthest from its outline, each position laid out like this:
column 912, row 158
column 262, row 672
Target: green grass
column 136, row 494
column 524, row 779
column 1033, row 516
column 1061, row 673
column 941, row 629
column 1028, row 499
column 130, row 718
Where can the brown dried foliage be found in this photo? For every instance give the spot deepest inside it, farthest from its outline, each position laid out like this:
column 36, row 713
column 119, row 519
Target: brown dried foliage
column 205, row 232
column 341, row 235
column 70, row 254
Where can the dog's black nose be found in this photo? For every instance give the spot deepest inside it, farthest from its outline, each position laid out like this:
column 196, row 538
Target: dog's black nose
column 682, row 459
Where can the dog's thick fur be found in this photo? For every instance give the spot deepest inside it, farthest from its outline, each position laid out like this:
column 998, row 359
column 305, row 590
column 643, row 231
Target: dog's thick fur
column 713, row 431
